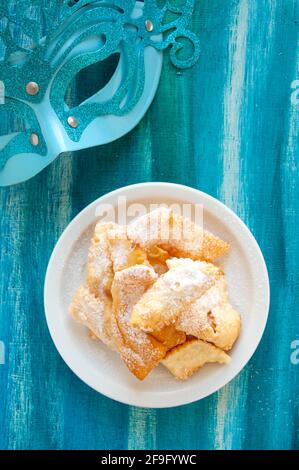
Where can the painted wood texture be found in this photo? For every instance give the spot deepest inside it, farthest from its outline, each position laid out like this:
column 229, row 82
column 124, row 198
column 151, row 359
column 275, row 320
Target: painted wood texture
column 229, row 127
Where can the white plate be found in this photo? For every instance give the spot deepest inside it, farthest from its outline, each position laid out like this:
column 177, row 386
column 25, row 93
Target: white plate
column 102, row 369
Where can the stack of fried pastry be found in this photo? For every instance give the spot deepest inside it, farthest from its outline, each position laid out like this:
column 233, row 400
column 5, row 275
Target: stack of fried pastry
column 153, row 294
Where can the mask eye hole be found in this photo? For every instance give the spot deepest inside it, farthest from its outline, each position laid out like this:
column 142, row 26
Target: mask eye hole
column 71, row 3
column 170, row 17
column 97, row 76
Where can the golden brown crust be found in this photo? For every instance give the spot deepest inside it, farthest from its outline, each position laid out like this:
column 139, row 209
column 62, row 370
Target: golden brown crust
column 157, row 258
column 169, row 336
column 140, row 351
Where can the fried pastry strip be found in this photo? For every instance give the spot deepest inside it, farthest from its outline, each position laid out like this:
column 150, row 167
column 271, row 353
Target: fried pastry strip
column 185, row 360
column 212, row 318
column 123, row 252
column 173, row 292
column 169, row 336
column 99, row 264
column 94, row 313
column 140, row 352
column 177, row 235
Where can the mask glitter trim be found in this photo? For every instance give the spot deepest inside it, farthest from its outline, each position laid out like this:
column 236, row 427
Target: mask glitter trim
column 75, row 35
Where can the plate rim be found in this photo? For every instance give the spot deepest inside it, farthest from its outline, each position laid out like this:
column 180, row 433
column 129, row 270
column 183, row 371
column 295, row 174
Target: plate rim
column 192, row 396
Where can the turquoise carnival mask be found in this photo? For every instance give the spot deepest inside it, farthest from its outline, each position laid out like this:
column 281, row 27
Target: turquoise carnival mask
column 42, row 51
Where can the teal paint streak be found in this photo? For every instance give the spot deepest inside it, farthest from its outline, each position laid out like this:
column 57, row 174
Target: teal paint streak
column 268, row 97
column 17, row 381
column 188, row 427
column 231, row 415
column 142, row 429
column 212, row 20
column 227, row 127
column 230, row 411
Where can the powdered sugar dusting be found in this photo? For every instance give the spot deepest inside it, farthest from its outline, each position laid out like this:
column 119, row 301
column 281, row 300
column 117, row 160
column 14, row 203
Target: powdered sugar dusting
column 74, row 268
column 162, row 304
column 128, row 286
column 136, row 283
column 196, row 317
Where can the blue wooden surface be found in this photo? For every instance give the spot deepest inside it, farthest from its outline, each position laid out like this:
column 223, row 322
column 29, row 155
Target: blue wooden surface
column 229, row 127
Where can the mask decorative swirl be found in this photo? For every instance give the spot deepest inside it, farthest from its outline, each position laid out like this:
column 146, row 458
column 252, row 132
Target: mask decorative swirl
column 43, row 49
